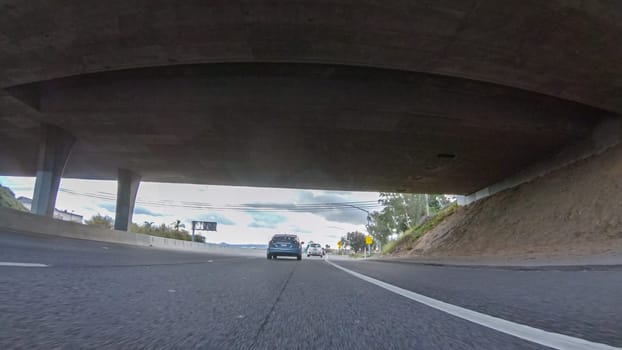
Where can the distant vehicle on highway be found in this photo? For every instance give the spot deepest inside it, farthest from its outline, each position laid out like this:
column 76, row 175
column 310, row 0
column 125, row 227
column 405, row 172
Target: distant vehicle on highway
column 315, row 249
column 284, row 245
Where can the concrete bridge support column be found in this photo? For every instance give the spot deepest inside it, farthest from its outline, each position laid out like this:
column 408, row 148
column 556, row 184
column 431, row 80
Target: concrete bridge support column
column 127, row 188
column 54, row 149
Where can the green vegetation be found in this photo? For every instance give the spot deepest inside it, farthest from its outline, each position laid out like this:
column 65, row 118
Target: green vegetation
column 410, row 237
column 355, row 239
column 403, row 211
column 173, row 231
column 413, row 214
column 100, row 221
column 7, row 199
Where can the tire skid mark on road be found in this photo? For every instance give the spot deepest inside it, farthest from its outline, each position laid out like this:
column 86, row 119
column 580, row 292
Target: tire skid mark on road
column 534, row 335
column 269, row 314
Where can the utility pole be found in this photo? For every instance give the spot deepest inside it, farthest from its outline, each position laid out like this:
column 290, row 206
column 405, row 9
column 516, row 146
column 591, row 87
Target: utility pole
column 427, row 205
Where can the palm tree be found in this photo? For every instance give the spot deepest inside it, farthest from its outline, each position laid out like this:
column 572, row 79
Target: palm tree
column 177, row 225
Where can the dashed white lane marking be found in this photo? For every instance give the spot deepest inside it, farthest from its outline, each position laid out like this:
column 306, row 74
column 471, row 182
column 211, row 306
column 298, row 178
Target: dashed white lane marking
column 17, row 264
column 535, row 335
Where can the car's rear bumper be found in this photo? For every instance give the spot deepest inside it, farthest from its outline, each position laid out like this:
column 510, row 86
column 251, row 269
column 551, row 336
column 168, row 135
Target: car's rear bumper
column 284, row 252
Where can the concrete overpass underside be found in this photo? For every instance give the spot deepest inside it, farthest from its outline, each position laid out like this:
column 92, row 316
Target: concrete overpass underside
column 421, row 96
column 300, row 125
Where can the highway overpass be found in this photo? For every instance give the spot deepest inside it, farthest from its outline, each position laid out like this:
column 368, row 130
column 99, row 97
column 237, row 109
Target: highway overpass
column 413, row 96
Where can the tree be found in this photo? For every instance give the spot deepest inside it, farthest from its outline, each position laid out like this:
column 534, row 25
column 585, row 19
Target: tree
column 356, row 240
column 177, row 225
column 381, row 226
column 438, row 202
column 401, row 212
column 344, row 241
column 99, row 220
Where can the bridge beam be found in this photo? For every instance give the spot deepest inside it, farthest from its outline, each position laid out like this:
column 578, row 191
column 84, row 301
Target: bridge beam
column 54, row 148
column 127, row 188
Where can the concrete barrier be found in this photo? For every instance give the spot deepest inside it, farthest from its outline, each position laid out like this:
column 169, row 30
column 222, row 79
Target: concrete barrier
column 19, row 221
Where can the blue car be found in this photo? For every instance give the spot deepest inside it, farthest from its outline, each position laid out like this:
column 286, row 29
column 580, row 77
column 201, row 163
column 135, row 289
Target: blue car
column 284, row 245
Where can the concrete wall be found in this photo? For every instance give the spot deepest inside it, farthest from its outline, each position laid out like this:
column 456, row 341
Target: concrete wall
column 604, row 136
column 19, row 221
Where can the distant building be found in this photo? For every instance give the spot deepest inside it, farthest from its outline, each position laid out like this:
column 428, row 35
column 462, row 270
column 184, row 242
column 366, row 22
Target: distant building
column 58, row 214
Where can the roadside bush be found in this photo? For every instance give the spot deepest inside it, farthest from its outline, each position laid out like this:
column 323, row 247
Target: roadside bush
column 165, row 231
column 99, row 220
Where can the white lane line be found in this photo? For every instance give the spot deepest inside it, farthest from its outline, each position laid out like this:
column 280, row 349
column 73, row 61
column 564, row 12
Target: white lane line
column 16, row 264
column 535, row 335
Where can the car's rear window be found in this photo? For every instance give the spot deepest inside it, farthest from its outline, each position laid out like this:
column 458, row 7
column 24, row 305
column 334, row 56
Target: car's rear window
column 315, row 245
column 284, row 238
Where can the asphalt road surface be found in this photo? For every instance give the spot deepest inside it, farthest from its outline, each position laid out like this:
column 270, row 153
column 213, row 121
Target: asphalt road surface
column 95, row 295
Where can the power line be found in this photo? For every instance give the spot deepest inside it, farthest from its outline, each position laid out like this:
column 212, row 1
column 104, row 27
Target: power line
column 250, row 207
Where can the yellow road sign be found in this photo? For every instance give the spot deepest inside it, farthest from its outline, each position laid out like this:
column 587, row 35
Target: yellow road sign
column 340, row 244
column 369, row 240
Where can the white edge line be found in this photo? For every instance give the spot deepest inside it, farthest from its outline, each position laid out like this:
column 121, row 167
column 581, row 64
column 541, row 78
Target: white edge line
column 17, row 264
column 535, row 335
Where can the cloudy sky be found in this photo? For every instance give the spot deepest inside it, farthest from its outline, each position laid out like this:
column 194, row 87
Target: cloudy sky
column 165, row 203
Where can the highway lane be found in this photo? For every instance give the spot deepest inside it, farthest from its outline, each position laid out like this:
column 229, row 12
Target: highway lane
column 59, row 251
column 580, row 301
column 131, row 297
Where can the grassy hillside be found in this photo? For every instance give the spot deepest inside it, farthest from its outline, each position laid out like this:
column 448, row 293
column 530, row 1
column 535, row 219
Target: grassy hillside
column 7, row 199
column 569, row 214
column 407, row 241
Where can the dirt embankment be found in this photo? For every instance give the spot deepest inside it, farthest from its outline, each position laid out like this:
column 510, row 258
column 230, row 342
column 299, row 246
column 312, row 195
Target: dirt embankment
column 572, row 213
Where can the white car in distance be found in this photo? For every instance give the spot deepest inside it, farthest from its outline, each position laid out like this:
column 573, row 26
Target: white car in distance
column 315, row 249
